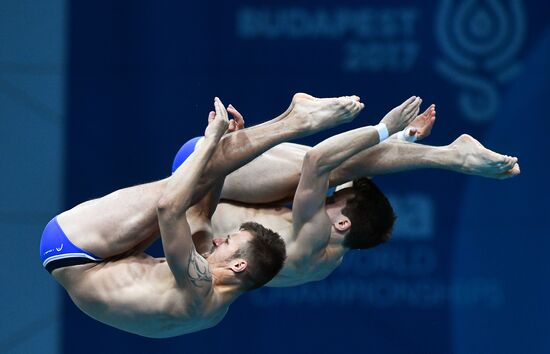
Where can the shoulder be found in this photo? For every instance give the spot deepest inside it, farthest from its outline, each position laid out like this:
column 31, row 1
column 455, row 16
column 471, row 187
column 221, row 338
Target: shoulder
column 197, row 278
column 305, row 252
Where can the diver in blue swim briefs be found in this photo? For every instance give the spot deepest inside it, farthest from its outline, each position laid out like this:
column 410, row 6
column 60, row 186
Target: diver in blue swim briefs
column 358, row 215
column 96, row 249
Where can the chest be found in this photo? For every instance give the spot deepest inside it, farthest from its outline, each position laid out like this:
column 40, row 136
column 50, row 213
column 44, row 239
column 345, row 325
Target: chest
column 229, row 217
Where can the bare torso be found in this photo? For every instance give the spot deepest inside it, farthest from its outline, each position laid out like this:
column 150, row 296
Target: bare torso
column 138, row 294
column 296, row 270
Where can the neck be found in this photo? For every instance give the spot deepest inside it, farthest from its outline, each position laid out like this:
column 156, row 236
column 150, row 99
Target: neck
column 225, row 285
column 336, row 243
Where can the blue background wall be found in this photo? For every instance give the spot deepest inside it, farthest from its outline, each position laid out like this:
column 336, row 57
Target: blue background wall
column 466, row 271
column 32, row 122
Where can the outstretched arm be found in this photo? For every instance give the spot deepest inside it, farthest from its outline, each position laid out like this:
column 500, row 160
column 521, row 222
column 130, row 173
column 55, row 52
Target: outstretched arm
column 335, row 150
column 188, row 267
column 282, row 164
column 310, row 221
column 200, row 214
column 280, row 167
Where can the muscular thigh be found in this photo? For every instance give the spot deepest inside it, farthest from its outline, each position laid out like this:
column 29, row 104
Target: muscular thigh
column 116, row 223
column 270, row 177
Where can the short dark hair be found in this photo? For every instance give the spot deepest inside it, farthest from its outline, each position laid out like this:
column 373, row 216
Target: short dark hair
column 265, row 254
column 371, row 215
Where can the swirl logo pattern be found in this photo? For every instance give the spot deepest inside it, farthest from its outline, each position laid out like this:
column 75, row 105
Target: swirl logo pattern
column 480, row 40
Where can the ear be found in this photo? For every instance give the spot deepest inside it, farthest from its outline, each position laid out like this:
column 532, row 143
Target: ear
column 238, row 265
column 343, row 224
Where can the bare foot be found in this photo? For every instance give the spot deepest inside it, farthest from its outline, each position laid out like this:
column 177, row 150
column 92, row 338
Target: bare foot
column 323, row 113
column 401, row 116
column 297, row 97
column 475, row 159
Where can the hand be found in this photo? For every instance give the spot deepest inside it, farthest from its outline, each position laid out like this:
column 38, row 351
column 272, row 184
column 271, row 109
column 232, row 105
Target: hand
column 401, row 116
column 422, row 125
column 237, row 123
column 217, row 122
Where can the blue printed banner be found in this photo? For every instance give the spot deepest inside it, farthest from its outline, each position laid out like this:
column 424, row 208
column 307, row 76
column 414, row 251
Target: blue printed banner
column 466, row 259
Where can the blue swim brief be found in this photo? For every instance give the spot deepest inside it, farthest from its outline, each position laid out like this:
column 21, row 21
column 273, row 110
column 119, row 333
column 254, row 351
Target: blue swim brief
column 187, row 149
column 184, row 152
column 57, row 251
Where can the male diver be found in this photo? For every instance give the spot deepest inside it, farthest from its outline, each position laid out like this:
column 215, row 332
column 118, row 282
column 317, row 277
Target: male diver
column 95, row 250
column 317, row 230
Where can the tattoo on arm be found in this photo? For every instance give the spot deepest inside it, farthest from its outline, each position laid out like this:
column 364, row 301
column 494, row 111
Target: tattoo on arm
column 198, row 270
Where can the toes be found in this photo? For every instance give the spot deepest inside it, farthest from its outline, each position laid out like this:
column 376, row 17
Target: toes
column 348, row 104
column 514, row 171
column 506, row 162
column 500, row 161
column 511, row 161
column 353, row 98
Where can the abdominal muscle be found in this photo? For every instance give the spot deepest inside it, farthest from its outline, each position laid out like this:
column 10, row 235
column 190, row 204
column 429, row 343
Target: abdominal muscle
column 137, row 294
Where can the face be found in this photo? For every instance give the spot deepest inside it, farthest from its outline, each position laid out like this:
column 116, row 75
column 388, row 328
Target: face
column 224, row 248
